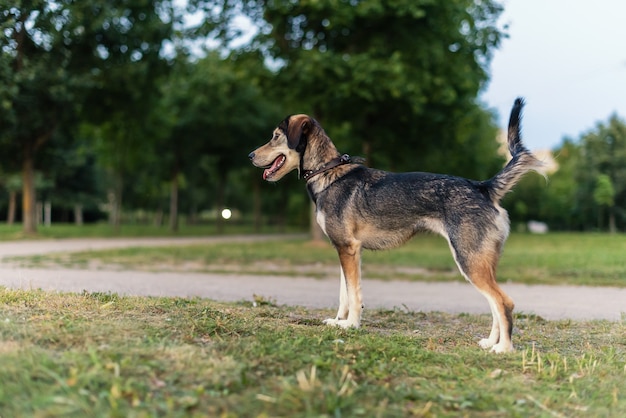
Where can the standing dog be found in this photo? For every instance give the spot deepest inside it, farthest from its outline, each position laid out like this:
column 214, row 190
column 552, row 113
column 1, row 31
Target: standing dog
column 359, row 207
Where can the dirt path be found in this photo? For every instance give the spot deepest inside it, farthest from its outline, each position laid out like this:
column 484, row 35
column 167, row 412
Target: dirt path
column 550, row 302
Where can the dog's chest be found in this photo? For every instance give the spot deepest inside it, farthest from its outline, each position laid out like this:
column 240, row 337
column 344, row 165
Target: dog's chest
column 321, row 220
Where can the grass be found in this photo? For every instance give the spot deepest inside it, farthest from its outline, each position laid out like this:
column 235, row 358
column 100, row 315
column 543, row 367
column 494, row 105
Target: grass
column 104, row 355
column 104, row 230
column 556, row 259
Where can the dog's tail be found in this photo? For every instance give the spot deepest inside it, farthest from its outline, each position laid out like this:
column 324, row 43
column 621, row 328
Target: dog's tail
column 522, row 160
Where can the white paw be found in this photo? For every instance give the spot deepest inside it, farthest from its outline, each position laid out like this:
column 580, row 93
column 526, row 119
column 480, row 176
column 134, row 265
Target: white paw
column 502, row 348
column 486, row 343
column 343, row 323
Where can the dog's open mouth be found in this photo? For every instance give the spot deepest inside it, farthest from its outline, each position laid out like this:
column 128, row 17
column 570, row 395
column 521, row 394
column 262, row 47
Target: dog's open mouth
column 276, row 165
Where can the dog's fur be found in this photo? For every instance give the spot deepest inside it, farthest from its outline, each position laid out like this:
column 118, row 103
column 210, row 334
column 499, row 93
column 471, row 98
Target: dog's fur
column 359, row 207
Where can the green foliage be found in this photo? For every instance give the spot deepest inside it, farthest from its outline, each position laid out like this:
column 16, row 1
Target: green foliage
column 36, row 75
column 124, row 44
column 139, row 100
column 203, row 136
column 403, row 75
column 590, row 179
column 207, row 99
column 603, row 167
column 604, row 192
column 68, row 62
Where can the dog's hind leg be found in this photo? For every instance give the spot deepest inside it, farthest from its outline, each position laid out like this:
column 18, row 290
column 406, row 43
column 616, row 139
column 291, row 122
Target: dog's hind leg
column 483, row 275
column 494, row 335
column 502, row 312
column 480, row 269
column 350, row 296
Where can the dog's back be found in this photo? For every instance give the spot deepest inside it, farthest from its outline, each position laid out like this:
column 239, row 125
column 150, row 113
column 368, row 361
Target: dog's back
column 386, row 209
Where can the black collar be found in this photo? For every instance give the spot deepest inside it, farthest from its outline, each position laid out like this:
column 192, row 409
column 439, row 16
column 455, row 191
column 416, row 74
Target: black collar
column 335, row 162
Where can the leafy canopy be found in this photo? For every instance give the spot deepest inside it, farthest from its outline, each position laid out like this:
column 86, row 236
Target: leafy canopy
column 402, row 75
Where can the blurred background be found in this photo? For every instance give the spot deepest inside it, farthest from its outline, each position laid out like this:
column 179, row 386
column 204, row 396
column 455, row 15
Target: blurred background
column 140, row 112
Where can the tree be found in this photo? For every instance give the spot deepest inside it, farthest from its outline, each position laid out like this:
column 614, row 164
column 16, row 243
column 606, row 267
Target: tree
column 213, row 107
column 37, row 86
column 126, row 41
column 603, row 166
column 589, row 180
column 394, row 81
column 76, row 181
column 604, row 196
column 399, row 74
column 13, row 184
column 54, row 53
column 555, row 201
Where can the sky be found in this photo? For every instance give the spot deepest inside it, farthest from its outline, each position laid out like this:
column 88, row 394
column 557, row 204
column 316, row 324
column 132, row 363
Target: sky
column 567, row 58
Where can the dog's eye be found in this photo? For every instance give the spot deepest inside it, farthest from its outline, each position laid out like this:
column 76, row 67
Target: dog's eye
column 275, row 135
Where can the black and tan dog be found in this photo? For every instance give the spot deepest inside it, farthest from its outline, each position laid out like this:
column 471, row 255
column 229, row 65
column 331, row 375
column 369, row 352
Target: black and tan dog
column 359, row 207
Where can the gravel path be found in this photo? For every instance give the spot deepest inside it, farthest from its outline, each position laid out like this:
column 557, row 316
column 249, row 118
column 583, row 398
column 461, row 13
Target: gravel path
column 549, row 302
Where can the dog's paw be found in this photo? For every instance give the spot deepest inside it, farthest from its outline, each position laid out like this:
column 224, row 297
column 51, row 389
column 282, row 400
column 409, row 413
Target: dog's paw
column 342, row 323
column 502, row 348
column 486, row 343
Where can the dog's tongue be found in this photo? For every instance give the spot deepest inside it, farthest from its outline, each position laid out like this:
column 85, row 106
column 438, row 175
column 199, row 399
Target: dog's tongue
column 269, row 171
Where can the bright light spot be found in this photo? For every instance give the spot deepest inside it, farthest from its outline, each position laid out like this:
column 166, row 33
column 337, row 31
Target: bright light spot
column 226, row 214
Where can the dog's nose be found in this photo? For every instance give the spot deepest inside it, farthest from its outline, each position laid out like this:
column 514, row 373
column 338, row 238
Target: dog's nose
column 251, row 155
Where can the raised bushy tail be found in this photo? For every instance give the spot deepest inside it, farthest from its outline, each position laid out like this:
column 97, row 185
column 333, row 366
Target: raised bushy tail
column 522, row 160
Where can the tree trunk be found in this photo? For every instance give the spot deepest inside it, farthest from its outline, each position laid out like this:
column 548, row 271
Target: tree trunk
column 112, row 206
column 174, row 203
column 119, row 188
column 78, row 214
column 47, row 213
column 221, row 188
column 367, row 152
column 114, row 196
column 612, row 227
column 12, row 207
column 38, row 213
column 281, row 213
column 29, row 221
column 256, row 199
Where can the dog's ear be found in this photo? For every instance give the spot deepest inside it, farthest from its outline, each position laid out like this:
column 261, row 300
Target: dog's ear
column 296, row 127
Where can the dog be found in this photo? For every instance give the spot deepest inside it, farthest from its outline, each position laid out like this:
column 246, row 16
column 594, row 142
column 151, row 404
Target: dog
column 363, row 208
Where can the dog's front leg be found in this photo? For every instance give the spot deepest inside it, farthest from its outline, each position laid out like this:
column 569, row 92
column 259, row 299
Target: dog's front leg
column 342, row 313
column 350, row 298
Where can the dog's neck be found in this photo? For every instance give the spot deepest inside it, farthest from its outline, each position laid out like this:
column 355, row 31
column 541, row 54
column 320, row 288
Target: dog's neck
column 335, row 162
column 321, row 164
column 318, row 152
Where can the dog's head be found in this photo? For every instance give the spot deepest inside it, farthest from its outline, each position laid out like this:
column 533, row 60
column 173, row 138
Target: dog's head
column 282, row 153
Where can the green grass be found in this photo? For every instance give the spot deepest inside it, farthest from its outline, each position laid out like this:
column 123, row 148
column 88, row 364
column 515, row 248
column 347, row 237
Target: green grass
column 104, row 230
column 557, row 258
column 103, row 355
